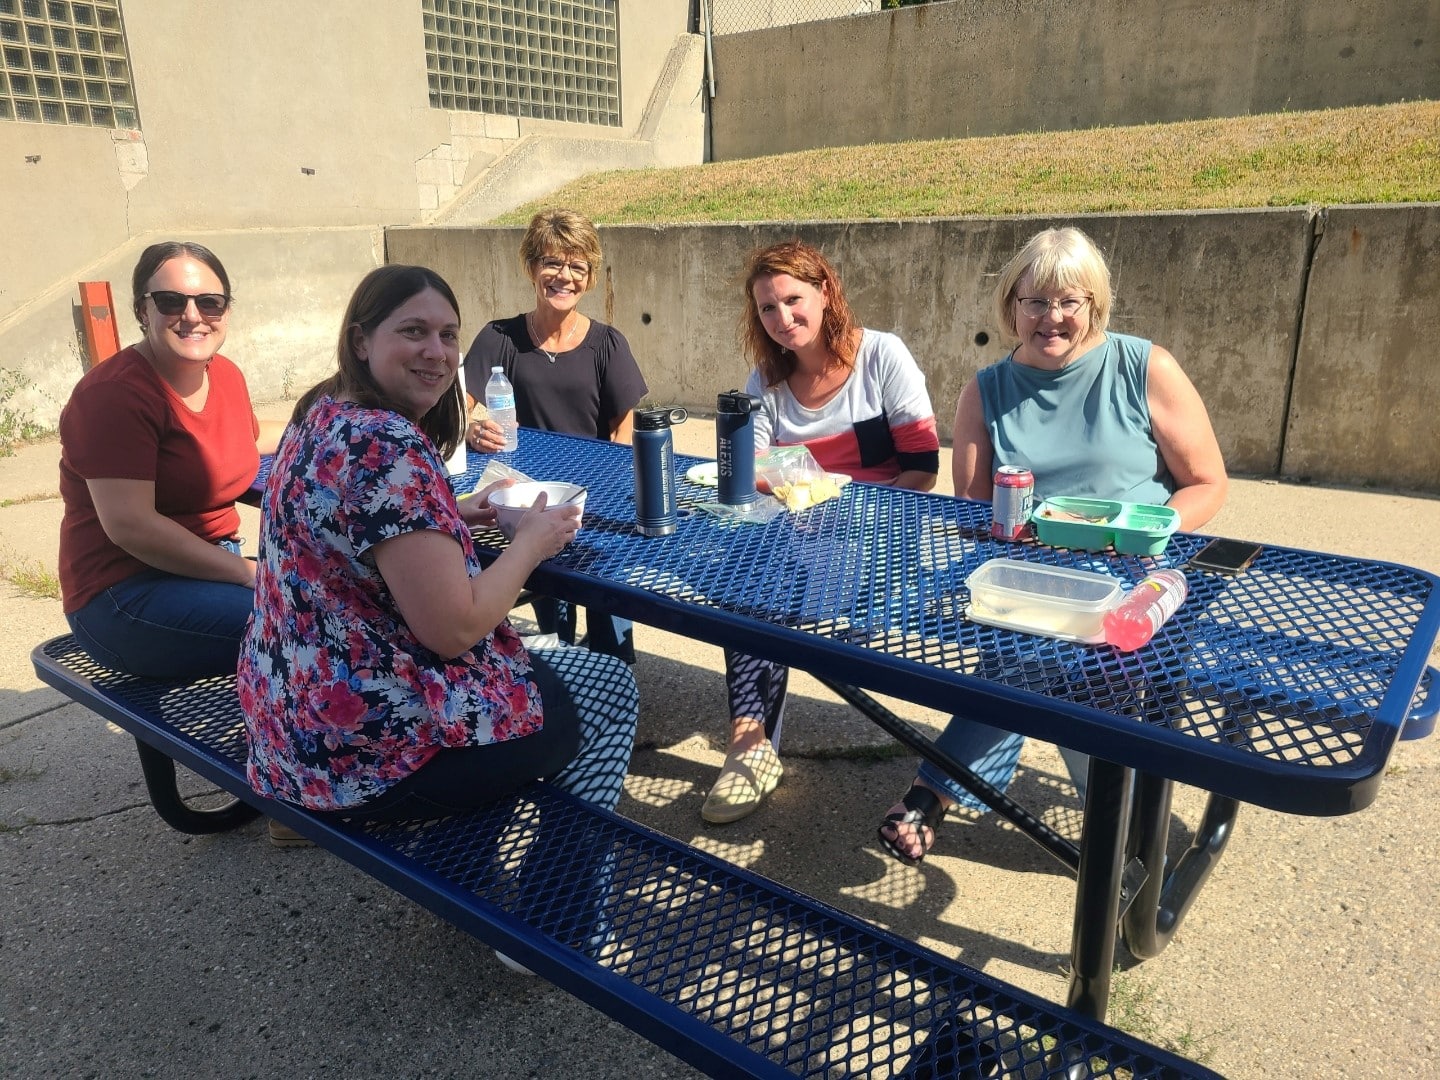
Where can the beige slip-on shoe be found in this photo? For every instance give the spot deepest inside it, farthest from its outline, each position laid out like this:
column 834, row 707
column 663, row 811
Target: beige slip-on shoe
column 744, row 781
column 282, row 836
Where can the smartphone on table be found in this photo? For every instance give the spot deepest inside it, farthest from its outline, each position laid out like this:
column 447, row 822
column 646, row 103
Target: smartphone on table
column 1228, row 557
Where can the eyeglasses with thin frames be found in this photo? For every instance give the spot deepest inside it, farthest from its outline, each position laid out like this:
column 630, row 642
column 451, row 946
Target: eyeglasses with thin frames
column 1034, row 307
column 210, row 304
column 578, row 270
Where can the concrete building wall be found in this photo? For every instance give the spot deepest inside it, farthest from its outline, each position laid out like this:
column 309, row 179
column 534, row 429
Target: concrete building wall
column 985, row 67
column 237, row 101
column 280, row 87
column 308, row 127
column 1226, row 292
column 1367, row 384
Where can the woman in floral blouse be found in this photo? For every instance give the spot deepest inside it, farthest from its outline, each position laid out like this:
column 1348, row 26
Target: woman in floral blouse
column 379, row 676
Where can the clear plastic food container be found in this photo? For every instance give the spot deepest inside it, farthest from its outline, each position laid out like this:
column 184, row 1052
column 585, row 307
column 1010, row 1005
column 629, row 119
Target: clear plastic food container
column 1053, row 601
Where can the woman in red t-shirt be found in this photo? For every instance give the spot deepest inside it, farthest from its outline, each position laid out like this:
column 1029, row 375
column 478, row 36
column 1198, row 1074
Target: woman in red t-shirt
column 156, row 444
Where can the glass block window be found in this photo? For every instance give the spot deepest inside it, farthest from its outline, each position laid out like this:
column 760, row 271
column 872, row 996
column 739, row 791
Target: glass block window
column 542, row 59
column 65, row 62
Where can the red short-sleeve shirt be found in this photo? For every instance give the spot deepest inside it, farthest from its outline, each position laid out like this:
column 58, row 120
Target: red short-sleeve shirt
column 123, row 422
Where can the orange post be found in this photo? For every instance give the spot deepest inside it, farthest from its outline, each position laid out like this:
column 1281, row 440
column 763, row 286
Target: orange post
column 97, row 316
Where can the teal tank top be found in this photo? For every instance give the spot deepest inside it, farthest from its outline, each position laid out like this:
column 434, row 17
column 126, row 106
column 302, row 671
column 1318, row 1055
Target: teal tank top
column 1082, row 430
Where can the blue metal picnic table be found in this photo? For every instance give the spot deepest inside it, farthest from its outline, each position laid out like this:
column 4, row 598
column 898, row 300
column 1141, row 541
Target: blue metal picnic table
column 1286, row 687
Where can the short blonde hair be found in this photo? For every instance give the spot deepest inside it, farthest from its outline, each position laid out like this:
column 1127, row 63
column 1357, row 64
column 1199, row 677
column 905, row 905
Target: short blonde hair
column 561, row 232
column 1056, row 259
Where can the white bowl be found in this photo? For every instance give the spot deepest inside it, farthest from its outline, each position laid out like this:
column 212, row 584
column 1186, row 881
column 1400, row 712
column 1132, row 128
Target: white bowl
column 511, row 503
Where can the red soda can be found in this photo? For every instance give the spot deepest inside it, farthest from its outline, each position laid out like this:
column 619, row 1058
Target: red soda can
column 1014, row 499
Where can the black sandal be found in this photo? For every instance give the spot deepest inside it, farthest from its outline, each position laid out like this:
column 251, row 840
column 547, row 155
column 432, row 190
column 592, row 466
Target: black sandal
column 924, row 809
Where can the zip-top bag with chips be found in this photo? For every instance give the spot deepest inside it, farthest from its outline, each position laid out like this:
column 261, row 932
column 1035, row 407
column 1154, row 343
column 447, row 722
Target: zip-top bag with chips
column 793, row 476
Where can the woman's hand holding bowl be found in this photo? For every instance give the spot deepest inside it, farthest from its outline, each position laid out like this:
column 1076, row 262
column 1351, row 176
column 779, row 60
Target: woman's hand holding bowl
column 547, row 531
column 475, row 508
column 519, row 502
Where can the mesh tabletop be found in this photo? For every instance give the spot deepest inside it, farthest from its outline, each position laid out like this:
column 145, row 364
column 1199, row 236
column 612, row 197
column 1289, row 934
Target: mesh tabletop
column 722, row 967
column 1286, row 686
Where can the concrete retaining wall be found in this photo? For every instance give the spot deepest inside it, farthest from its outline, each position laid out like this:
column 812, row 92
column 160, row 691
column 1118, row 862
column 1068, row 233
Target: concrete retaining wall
column 1367, row 385
column 1269, row 338
column 986, row 67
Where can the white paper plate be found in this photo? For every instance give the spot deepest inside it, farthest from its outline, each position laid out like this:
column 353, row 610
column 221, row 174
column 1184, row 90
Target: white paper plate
column 706, row 474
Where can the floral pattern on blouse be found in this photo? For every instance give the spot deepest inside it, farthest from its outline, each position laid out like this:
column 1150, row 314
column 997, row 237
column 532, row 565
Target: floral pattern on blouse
column 341, row 701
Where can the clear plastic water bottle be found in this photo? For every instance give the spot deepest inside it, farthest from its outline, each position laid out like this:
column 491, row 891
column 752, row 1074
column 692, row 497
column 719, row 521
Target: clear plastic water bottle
column 500, row 403
column 1133, row 621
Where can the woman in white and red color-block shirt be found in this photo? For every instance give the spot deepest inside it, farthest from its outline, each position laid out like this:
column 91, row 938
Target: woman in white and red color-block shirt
column 856, row 399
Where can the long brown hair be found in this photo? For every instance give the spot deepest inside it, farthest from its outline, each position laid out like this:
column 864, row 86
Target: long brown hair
column 380, row 292
column 804, row 262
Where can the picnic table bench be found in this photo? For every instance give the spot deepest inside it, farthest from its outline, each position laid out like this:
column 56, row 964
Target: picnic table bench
column 725, row 969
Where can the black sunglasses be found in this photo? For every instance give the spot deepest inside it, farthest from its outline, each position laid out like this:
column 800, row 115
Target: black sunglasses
column 210, row 304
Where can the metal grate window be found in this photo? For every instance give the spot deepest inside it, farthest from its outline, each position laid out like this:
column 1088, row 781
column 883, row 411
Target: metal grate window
column 542, row 59
column 65, row 62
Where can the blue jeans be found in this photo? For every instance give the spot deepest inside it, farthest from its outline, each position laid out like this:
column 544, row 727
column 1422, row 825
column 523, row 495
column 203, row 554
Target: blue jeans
column 992, row 753
column 164, row 626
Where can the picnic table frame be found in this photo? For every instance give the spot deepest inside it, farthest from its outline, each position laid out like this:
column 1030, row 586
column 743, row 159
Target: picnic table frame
column 1286, row 687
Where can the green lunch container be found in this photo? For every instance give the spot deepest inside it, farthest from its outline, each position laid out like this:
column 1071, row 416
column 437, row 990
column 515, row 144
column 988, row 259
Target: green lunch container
column 1068, row 521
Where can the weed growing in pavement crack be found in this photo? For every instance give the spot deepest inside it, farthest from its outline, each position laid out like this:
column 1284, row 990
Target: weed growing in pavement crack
column 30, row 576
column 10, row 773
column 1135, row 1008
column 16, row 425
column 34, row 497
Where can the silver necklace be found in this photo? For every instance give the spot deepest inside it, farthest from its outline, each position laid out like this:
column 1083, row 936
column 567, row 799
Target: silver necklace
column 535, row 337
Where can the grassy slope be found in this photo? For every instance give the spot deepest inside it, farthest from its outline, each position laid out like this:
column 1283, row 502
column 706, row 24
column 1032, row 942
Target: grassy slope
column 1370, row 154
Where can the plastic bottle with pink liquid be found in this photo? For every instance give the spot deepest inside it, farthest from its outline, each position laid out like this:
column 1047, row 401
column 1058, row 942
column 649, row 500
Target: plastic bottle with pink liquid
column 1133, row 621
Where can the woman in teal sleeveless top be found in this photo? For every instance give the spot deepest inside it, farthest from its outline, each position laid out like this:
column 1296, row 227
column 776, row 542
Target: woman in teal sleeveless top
column 1089, row 413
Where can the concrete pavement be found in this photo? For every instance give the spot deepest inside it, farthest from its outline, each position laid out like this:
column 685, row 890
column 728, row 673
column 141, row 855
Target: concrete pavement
column 127, row 949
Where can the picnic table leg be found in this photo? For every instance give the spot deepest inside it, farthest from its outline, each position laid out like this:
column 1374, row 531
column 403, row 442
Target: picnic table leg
column 1164, row 898
column 159, row 773
column 1097, row 894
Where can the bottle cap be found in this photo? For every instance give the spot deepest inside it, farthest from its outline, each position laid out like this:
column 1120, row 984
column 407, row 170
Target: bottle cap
column 655, row 419
column 733, row 401
column 499, row 367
